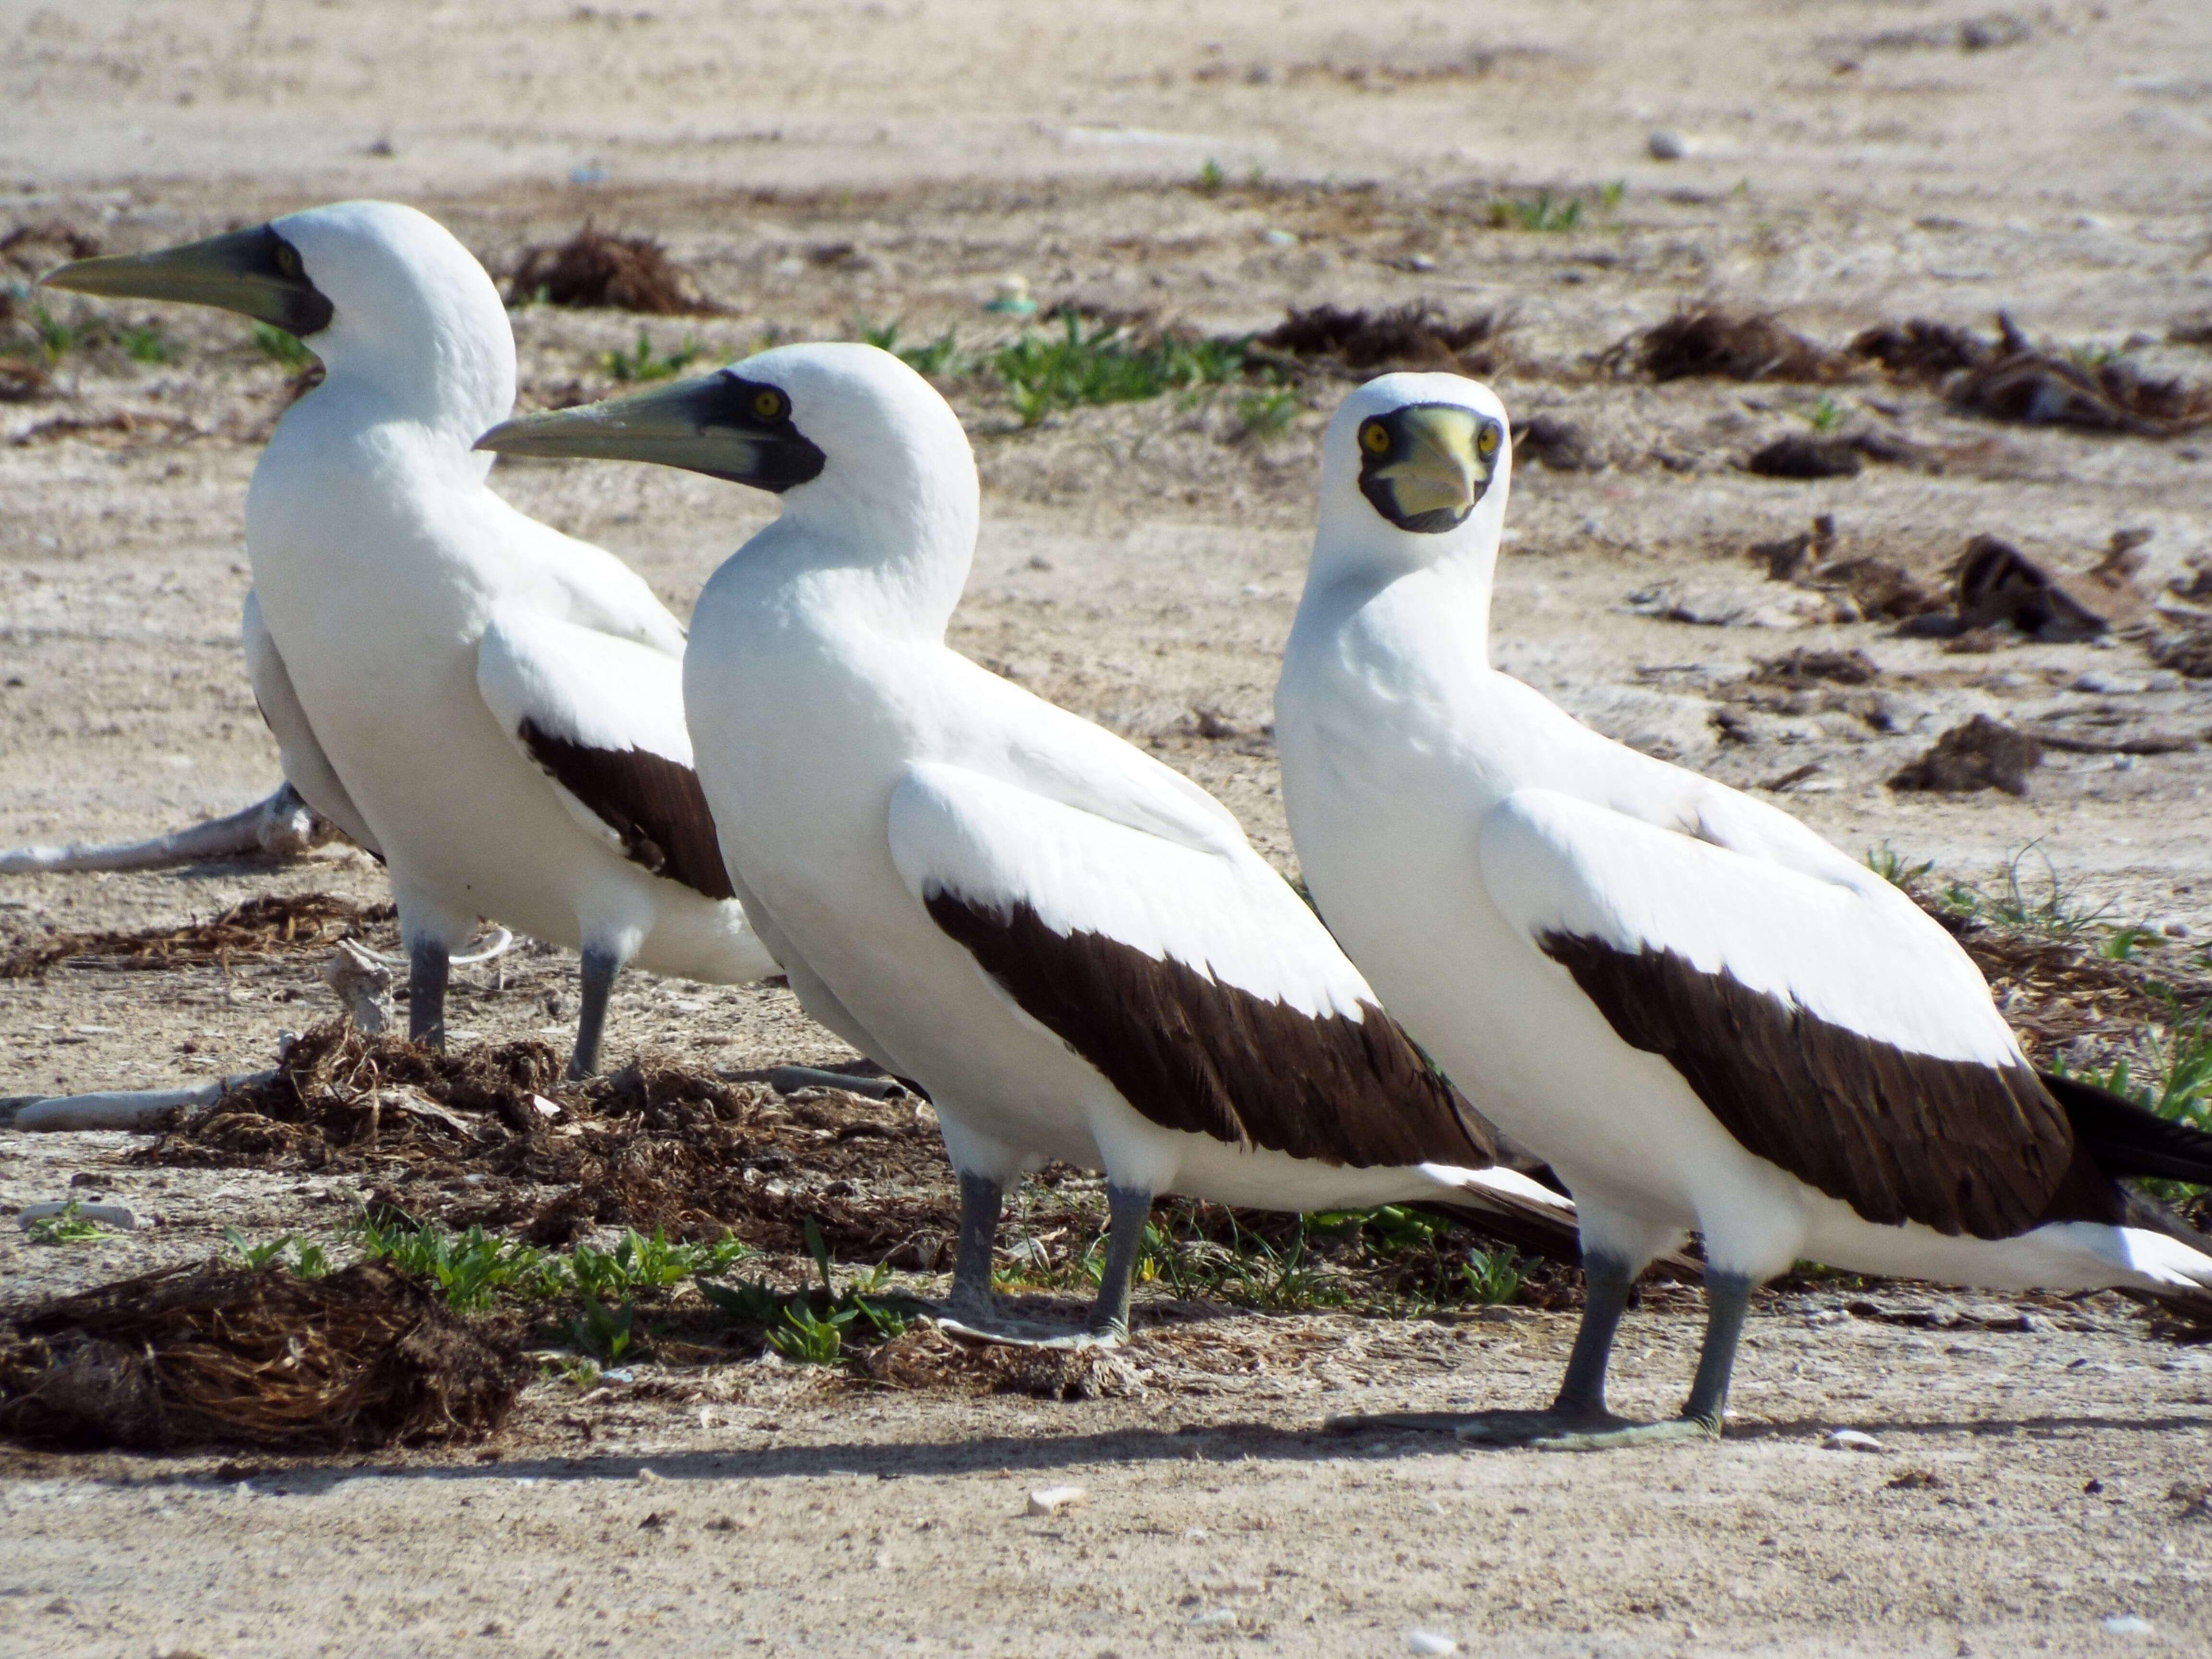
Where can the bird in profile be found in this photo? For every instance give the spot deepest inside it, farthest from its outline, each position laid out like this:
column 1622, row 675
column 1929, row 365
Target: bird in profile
column 1700, row 1013
column 1069, row 946
column 491, row 707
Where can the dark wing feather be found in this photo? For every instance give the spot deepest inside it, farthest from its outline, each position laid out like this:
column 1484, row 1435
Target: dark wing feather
column 1898, row 1136
column 653, row 803
column 1195, row 1055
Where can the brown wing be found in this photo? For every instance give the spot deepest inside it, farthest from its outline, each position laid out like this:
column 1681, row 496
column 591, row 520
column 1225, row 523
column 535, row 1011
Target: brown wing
column 1960, row 1147
column 653, row 803
column 1191, row 1053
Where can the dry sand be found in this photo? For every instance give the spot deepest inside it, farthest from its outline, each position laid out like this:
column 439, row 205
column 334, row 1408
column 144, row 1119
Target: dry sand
column 1848, row 163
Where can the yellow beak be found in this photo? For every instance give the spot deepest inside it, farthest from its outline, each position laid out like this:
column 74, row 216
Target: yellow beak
column 1441, row 471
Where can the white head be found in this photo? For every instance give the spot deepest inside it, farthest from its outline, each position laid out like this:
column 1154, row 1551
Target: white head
column 1414, row 473
column 871, row 463
column 394, row 306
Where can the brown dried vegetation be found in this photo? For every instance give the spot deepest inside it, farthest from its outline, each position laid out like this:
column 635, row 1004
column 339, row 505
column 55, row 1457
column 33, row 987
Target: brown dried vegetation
column 629, row 273
column 1982, row 754
column 275, row 922
column 1727, row 345
column 1415, row 336
column 189, row 1356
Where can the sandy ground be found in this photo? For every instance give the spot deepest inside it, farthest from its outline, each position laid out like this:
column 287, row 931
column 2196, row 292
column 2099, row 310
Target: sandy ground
column 819, row 165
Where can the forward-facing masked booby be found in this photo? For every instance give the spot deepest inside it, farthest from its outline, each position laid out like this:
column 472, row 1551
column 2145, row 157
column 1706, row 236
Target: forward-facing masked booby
column 1071, row 946
column 492, row 708
column 1703, row 1015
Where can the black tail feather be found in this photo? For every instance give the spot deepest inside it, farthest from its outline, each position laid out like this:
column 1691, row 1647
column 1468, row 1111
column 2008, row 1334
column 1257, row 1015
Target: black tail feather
column 2123, row 1139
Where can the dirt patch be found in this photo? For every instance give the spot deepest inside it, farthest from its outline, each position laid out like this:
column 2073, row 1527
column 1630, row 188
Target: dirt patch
column 259, row 926
column 1729, row 345
column 257, row 1356
column 627, row 273
column 1982, row 754
column 1416, row 336
column 2023, row 382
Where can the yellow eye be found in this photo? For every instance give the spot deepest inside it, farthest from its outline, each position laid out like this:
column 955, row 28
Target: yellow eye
column 1374, row 438
column 287, row 259
column 1487, row 443
column 769, row 405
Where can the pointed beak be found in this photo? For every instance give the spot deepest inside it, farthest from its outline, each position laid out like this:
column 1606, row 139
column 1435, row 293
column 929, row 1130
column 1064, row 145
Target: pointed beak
column 710, row 424
column 1441, row 471
column 255, row 273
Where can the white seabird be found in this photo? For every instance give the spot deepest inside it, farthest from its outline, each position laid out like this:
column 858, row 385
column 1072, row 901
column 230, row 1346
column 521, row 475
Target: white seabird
column 492, row 708
column 1069, row 946
column 1700, row 1012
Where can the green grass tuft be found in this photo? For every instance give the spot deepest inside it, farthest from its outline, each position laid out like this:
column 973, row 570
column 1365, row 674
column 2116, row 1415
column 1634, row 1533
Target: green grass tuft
column 1043, row 372
column 641, row 362
column 68, row 1225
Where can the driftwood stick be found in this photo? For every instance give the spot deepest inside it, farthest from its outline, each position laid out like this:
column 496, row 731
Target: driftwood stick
column 281, row 826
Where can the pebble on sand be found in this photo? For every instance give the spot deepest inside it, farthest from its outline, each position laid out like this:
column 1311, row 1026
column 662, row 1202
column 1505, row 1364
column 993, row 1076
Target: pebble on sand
column 1427, row 1641
column 2126, row 1624
column 1665, row 145
column 1851, row 1440
column 1051, row 1500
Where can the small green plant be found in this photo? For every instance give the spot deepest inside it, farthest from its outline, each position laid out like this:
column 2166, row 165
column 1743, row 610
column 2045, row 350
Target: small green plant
column 1609, row 195
column 1042, row 372
column 939, row 357
column 1893, row 867
column 637, row 1263
column 1540, row 212
column 67, row 1225
column 2057, row 913
column 2123, row 942
column 257, row 1255
column 1825, row 414
column 1490, row 1276
column 578, row 1373
column 642, row 364
column 1264, row 414
column 288, row 351
column 603, row 1331
column 1210, row 178
column 809, row 1339
column 470, row 1269
column 146, row 343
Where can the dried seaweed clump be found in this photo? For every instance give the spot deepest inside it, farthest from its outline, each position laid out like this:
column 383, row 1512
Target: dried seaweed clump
column 271, row 923
column 924, row 1358
column 1982, row 754
column 628, row 273
column 1405, row 337
column 2026, row 383
column 1729, row 345
column 255, row 1356
column 1920, row 349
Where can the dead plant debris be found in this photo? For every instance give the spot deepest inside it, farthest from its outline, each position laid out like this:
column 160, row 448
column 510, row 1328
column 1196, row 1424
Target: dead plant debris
column 1994, row 584
column 1801, row 455
column 1416, row 336
column 925, row 1359
column 259, row 926
column 2023, row 382
column 628, row 273
column 1807, row 666
column 1729, row 345
column 214, row 1355
column 1922, row 350
column 1982, row 754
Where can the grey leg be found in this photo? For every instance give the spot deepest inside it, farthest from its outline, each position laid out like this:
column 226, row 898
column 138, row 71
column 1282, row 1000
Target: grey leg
column 1605, row 1283
column 600, row 968
column 981, row 1201
column 426, row 992
column 1128, row 1212
column 1727, row 1299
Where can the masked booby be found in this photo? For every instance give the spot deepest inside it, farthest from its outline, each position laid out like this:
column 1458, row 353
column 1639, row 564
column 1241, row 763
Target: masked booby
column 1703, row 1015
column 1072, row 947
column 492, row 708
